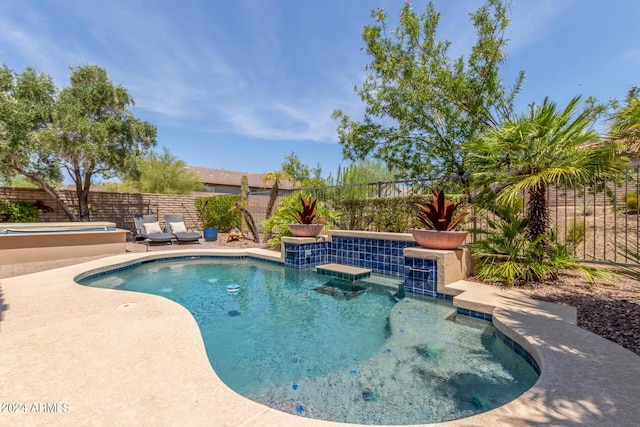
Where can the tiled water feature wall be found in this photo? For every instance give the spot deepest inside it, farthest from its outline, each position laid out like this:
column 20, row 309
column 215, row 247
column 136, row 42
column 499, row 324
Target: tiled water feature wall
column 383, row 253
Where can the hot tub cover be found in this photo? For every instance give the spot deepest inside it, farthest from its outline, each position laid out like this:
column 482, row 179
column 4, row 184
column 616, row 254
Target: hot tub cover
column 55, row 227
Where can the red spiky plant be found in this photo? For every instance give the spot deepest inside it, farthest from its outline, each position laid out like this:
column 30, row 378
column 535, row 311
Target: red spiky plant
column 438, row 215
column 308, row 214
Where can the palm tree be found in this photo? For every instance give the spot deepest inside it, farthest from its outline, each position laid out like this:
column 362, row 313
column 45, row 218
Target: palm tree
column 274, row 179
column 625, row 126
column 531, row 152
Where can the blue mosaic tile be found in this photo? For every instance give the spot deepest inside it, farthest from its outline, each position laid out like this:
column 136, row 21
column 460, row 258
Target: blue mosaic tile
column 381, row 256
column 296, row 255
column 475, row 314
column 422, row 292
column 421, row 276
column 519, row 350
column 375, row 254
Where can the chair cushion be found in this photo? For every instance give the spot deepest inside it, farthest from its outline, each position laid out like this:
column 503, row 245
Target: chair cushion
column 178, row 227
column 152, row 227
column 187, row 237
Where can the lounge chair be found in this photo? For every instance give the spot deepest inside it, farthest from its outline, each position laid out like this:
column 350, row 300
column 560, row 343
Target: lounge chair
column 176, row 226
column 148, row 230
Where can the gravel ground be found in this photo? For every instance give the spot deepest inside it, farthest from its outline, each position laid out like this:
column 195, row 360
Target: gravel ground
column 611, row 310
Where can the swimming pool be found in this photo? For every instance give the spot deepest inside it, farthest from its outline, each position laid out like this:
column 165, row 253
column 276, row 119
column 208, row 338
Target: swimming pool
column 357, row 358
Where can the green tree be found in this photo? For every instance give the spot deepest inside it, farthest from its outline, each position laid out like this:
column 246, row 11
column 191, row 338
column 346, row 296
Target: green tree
column 625, row 123
column 303, row 175
column 86, row 129
column 421, row 105
column 27, row 101
column 362, row 172
column 165, row 174
column 93, row 131
column 546, row 146
column 358, row 181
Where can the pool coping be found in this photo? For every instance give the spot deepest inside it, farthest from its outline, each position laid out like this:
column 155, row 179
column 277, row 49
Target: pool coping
column 77, row 355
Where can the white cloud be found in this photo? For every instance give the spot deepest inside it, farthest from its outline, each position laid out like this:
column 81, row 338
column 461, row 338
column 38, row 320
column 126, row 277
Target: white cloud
column 282, row 121
column 204, row 75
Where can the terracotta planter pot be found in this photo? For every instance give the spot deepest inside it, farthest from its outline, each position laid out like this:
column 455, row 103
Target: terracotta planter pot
column 305, row 230
column 435, row 239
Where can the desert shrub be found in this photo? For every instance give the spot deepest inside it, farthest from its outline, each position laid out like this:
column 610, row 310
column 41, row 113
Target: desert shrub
column 506, row 254
column 387, row 214
column 576, row 232
column 631, row 200
column 504, row 251
column 587, row 210
column 18, row 212
column 219, row 212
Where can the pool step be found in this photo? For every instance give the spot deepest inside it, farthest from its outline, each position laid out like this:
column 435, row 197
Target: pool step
column 338, row 289
column 345, row 272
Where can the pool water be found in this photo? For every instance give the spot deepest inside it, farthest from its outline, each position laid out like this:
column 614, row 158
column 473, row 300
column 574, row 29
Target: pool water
column 358, row 357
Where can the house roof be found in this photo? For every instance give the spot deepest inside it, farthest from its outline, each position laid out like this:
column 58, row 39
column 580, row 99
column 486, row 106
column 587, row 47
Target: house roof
column 630, row 148
column 233, row 178
column 625, row 146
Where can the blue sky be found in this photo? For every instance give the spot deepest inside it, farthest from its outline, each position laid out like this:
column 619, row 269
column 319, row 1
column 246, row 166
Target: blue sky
column 241, row 84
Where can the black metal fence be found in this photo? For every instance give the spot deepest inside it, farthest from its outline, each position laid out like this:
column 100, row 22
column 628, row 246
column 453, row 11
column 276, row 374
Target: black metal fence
column 409, row 187
column 258, row 204
column 600, row 221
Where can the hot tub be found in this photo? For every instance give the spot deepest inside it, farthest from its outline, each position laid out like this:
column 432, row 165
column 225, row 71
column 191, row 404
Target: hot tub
column 45, row 241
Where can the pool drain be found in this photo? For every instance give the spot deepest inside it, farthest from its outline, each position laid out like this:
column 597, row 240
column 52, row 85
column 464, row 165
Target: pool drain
column 125, row 305
column 369, row 395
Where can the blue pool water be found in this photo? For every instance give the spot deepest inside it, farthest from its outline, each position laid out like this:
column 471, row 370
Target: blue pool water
column 359, row 358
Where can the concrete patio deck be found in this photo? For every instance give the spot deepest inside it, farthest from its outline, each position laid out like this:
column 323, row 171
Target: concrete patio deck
column 74, row 355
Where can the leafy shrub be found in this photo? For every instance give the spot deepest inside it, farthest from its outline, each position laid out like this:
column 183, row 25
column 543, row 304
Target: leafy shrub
column 276, row 226
column 632, row 202
column 388, row 214
column 18, row 212
column 559, row 258
column 388, row 218
column 508, row 255
column 632, row 255
column 505, row 253
column 218, row 211
column 587, row 210
column 576, row 232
